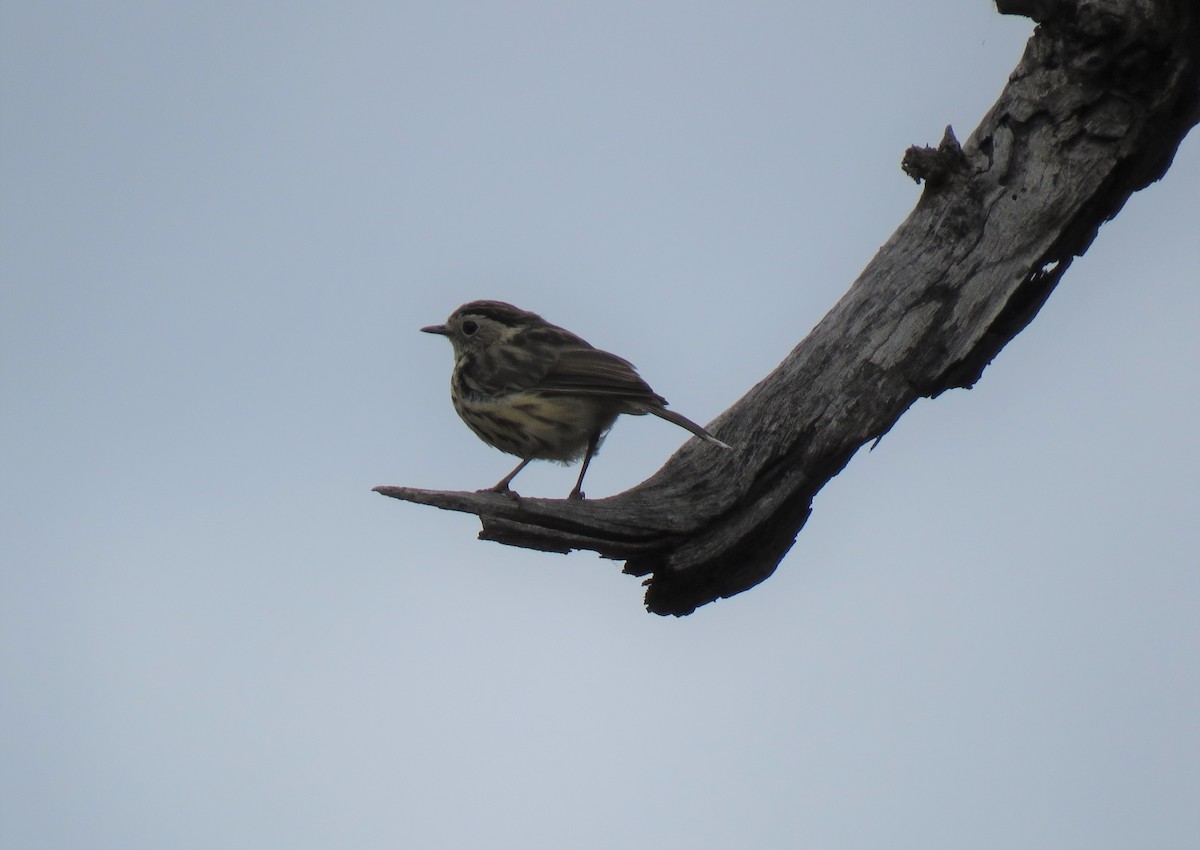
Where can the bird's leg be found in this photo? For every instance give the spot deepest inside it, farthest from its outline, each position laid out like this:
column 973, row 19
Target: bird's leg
column 594, row 441
column 502, row 484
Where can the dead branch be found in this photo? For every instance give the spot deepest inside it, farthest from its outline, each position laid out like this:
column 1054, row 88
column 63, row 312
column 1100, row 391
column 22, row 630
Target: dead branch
column 1095, row 111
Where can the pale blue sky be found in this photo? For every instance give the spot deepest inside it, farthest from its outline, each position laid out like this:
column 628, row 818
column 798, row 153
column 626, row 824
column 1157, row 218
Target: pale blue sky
column 222, row 225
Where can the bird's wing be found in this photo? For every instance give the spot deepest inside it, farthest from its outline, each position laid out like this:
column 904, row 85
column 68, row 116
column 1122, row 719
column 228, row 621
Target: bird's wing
column 583, row 370
column 553, row 360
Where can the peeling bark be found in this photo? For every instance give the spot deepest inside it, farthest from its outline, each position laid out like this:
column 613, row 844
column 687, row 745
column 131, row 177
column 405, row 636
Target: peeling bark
column 1095, row 111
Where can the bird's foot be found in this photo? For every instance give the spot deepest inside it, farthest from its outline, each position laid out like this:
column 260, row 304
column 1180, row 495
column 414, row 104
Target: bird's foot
column 504, row 490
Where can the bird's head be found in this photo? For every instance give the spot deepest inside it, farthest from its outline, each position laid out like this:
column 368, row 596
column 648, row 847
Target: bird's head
column 481, row 324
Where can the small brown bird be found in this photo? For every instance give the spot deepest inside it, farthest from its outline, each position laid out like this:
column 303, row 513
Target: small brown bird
column 538, row 391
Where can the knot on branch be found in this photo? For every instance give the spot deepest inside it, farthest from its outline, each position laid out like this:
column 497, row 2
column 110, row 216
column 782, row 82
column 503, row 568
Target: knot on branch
column 936, row 165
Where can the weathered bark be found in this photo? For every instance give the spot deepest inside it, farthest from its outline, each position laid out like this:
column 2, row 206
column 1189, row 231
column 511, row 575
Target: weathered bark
column 1095, row 110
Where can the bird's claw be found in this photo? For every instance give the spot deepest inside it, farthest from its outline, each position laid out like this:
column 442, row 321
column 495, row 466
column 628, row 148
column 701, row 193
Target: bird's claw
column 503, row 491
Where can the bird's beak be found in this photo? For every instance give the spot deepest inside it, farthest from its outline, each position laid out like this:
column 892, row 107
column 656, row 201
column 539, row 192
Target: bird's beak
column 436, row 329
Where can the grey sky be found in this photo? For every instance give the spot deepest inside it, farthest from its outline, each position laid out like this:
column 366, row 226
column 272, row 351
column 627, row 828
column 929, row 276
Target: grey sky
column 222, row 225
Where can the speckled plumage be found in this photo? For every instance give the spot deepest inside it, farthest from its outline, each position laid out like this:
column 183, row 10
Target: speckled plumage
column 538, row 391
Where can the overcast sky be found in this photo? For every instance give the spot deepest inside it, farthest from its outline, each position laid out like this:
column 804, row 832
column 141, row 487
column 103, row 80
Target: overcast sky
column 222, row 225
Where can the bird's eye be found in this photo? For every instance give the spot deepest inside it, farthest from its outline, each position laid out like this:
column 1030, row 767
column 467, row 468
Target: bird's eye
column 469, row 327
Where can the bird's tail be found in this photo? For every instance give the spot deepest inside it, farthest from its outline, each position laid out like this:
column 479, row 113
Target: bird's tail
column 683, row 422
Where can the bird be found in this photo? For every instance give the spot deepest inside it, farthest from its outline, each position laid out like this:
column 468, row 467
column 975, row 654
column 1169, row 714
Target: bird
column 539, row 392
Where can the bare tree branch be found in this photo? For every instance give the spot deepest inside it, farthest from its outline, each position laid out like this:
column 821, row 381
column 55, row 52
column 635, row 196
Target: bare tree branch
column 1095, row 110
